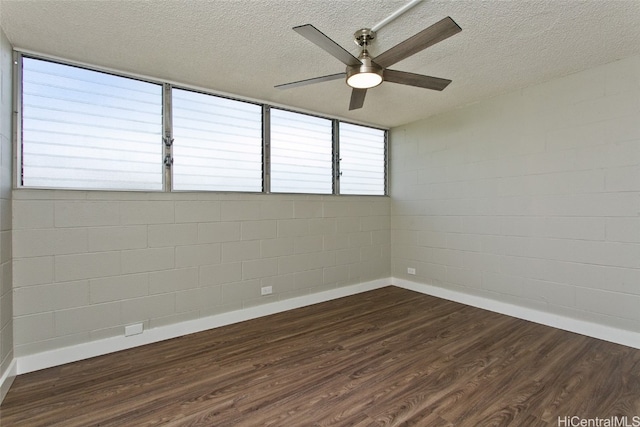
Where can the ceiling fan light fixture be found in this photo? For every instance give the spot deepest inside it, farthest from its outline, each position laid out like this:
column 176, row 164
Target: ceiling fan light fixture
column 366, row 75
column 364, row 80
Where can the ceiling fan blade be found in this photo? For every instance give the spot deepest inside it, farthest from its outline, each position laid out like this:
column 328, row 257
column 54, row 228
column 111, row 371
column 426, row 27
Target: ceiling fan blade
column 317, row 37
column 357, row 99
column 312, row 81
column 411, row 79
column 437, row 32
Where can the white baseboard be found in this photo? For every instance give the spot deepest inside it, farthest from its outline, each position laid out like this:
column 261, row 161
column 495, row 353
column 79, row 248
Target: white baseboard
column 583, row 327
column 7, row 379
column 47, row 359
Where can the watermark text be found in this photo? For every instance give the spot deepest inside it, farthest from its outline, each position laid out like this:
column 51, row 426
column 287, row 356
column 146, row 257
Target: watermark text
column 615, row 421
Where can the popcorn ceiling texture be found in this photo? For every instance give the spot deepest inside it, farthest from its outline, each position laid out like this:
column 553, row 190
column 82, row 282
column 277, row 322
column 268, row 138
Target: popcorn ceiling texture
column 246, row 47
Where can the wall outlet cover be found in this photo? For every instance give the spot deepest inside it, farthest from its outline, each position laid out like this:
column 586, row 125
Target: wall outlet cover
column 133, row 329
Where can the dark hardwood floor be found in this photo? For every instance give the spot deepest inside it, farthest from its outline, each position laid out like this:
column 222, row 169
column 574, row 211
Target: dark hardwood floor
column 389, row 357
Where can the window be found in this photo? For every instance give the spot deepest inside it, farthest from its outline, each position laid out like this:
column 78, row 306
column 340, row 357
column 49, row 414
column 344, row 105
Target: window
column 217, row 143
column 362, row 160
column 93, row 130
column 301, row 153
column 90, row 130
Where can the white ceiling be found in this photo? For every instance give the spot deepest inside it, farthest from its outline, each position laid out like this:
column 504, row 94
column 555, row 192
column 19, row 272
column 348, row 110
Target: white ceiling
column 245, row 47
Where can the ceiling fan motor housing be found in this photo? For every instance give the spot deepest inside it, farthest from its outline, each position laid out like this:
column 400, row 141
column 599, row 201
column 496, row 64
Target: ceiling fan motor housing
column 367, row 67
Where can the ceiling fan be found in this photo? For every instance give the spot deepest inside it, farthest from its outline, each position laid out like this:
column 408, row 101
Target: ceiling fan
column 365, row 72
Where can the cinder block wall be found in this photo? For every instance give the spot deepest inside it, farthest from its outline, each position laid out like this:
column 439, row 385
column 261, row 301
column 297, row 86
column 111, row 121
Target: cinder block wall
column 88, row 263
column 532, row 197
column 6, row 135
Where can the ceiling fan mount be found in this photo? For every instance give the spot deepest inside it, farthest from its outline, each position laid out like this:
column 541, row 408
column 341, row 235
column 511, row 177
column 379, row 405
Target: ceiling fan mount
column 363, row 36
column 366, row 72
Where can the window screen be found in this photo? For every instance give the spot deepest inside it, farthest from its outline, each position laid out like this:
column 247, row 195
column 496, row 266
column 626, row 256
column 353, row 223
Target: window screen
column 362, row 160
column 301, row 153
column 217, row 143
column 90, row 130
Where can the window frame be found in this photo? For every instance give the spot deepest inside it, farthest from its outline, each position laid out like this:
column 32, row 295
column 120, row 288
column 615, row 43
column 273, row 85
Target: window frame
column 18, row 147
column 167, row 133
column 333, row 150
column 385, row 178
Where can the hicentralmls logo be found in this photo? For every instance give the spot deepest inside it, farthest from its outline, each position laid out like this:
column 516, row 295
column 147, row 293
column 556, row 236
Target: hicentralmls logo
column 575, row 421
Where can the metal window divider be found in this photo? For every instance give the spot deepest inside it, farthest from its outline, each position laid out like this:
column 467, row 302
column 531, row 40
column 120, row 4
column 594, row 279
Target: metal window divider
column 266, row 149
column 386, row 163
column 167, row 139
column 18, row 169
column 335, row 129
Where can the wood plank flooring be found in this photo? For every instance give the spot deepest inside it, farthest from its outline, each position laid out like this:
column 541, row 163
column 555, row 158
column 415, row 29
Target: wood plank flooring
column 389, row 357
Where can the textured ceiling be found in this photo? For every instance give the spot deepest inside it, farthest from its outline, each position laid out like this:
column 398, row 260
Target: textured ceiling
column 246, row 47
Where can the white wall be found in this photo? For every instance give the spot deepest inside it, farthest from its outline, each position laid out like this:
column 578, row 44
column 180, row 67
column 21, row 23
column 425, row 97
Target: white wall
column 88, row 263
column 6, row 303
column 531, row 198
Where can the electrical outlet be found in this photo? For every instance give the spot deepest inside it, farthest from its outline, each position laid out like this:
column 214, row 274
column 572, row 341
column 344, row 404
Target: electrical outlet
column 133, row 329
column 266, row 290
column 411, row 270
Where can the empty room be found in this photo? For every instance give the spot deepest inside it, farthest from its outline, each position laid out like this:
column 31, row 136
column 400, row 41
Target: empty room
column 320, row 213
